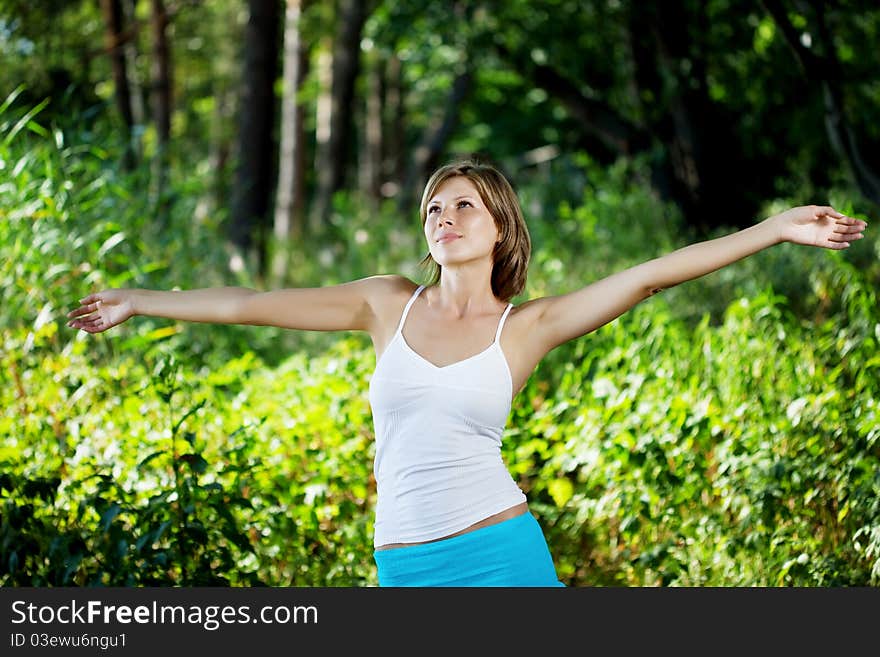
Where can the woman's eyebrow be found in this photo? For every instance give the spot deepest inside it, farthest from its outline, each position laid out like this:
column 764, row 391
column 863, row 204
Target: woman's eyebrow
column 458, row 198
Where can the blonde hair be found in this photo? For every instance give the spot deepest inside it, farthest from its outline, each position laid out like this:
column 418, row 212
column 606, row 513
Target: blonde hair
column 510, row 259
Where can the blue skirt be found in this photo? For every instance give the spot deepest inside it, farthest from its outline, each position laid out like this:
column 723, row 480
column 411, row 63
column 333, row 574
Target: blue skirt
column 509, row 553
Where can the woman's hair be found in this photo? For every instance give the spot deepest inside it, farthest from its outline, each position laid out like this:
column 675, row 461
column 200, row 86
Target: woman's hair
column 511, row 255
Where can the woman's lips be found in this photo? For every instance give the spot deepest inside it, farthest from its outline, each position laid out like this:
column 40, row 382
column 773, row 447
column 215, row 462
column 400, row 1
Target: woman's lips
column 448, row 238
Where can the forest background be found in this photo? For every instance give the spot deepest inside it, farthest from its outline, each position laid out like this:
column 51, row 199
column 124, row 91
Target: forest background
column 724, row 433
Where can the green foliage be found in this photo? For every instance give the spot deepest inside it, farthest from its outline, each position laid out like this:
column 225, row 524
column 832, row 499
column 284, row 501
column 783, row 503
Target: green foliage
column 722, row 433
column 742, row 454
column 148, row 489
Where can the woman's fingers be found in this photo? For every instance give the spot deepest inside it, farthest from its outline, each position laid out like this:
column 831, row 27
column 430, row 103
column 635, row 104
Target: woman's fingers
column 84, row 310
column 848, row 230
column 845, row 231
column 843, row 223
column 94, row 313
column 79, row 312
column 86, row 317
column 843, row 220
column 90, row 325
column 828, row 211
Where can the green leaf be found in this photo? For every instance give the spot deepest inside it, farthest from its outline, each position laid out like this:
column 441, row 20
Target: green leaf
column 109, row 243
column 150, row 458
column 190, row 412
column 195, row 461
column 561, row 490
column 25, row 120
column 15, row 93
column 108, row 516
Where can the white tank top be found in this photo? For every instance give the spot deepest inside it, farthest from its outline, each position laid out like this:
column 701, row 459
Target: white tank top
column 438, row 464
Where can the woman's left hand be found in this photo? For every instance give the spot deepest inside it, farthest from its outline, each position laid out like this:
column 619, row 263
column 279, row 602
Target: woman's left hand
column 818, row 225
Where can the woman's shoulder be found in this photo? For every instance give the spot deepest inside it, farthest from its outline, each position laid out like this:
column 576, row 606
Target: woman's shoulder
column 387, row 294
column 388, row 291
column 390, row 285
column 527, row 313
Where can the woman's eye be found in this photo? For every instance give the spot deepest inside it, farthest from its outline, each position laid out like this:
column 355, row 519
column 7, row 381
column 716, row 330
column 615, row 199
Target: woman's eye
column 436, row 208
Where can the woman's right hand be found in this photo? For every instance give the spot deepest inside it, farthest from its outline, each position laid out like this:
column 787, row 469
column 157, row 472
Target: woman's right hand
column 102, row 310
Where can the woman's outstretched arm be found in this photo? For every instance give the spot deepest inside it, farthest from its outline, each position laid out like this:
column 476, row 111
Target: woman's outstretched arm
column 568, row 316
column 348, row 306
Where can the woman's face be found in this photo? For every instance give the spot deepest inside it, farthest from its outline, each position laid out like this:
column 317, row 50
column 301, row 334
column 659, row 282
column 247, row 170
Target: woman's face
column 458, row 226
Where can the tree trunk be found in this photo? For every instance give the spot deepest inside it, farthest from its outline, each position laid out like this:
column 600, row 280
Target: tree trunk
column 113, row 21
column 323, row 103
column 334, row 154
column 394, row 156
column 221, row 145
column 161, row 108
column 290, row 201
column 370, row 169
column 252, row 189
column 161, row 73
column 138, row 113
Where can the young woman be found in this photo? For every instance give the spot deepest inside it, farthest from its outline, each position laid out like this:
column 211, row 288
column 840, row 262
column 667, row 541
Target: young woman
column 450, row 357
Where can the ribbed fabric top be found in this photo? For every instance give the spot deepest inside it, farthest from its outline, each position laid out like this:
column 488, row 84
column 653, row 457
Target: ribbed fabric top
column 438, row 464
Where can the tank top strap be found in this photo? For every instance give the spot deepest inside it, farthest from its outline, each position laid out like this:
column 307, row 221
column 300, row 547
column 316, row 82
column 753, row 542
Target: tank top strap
column 501, row 322
column 408, row 306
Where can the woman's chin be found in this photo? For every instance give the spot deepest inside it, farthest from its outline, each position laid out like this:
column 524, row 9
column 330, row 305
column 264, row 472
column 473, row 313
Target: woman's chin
column 445, row 258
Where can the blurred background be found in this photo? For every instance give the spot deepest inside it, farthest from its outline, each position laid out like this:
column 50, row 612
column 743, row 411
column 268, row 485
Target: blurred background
column 723, row 433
